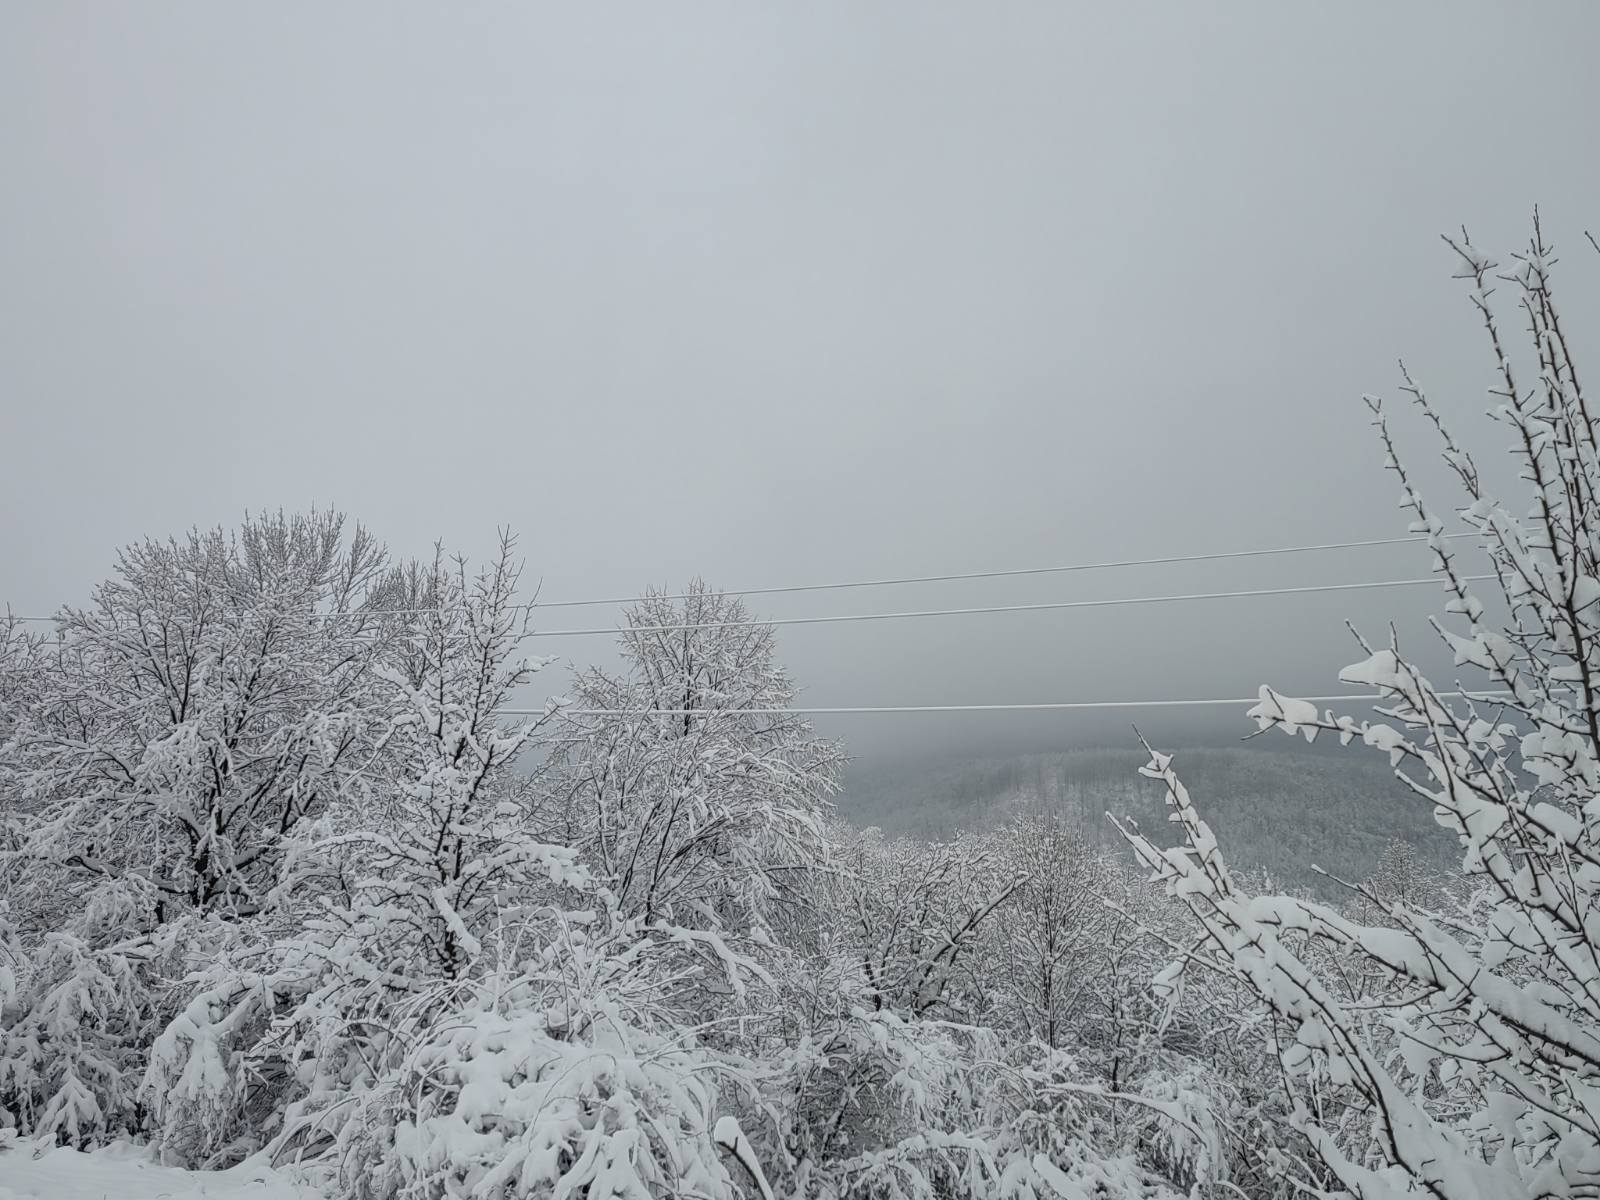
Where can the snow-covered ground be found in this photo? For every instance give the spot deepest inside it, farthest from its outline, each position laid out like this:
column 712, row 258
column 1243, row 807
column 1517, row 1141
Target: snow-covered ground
column 127, row 1173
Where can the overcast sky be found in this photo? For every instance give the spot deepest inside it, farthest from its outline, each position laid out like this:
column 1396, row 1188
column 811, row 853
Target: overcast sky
column 781, row 294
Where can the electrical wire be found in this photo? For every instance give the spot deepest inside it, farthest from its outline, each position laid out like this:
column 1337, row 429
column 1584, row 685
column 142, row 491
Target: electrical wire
column 999, row 608
column 910, row 579
column 851, row 710
column 1049, row 606
column 1012, row 573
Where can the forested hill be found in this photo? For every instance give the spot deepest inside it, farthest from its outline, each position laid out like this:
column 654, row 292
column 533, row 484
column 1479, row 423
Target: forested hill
column 1280, row 810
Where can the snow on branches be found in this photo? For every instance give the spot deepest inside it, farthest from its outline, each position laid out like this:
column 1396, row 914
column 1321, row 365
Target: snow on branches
column 173, row 734
column 164, row 750
column 698, row 796
column 282, row 877
column 1466, row 1061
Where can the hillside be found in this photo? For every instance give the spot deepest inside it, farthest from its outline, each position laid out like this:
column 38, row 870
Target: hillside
column 1282, row 810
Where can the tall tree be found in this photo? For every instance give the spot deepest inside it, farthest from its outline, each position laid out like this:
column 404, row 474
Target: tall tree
column 164, row 753
column 180, row 728
column 443, row 850
column 1050, row 940
column 685, row 779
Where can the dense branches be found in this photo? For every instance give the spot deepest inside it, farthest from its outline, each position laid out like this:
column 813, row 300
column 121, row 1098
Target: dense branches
column 182, row 726
column 694, row 791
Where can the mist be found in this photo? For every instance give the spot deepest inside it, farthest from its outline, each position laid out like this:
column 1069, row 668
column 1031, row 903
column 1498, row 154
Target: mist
column 784, row 295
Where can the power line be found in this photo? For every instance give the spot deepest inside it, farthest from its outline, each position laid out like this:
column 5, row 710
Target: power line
column 910, row 579
column 1089, row 566
column 999, row 608
column 1051, row 606
column 850, row 710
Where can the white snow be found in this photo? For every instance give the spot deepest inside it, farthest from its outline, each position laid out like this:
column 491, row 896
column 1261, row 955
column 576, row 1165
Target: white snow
column 128, row 1173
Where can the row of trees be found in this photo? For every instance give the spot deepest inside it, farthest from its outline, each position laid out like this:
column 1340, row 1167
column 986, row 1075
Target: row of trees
column 282, row 875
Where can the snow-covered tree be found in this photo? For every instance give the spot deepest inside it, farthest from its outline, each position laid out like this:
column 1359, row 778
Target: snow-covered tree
column 174, row 734
column 442, row 851
column 1049, row 945
column 693, row 790
column 1401, row 877
column 918, row 912
column 1468, row 1064
column 397, row 894
column 883, row 1077
column 164, row 750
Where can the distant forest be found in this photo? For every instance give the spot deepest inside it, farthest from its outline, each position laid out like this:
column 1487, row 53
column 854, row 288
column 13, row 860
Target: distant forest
column 1284, row 811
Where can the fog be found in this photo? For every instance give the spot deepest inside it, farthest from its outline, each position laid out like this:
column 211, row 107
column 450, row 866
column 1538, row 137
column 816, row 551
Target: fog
column 782, row 295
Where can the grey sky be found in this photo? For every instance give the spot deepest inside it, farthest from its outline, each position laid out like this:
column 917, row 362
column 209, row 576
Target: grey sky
column 775, row 294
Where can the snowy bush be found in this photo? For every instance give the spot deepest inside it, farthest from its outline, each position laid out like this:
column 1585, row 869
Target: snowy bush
column 70, row 1060
column 84, row 1012
column 874, row 1104
column 554, row 1079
